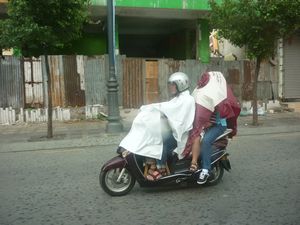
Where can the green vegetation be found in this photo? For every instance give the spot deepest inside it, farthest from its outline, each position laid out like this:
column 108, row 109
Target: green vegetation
column 257, row 25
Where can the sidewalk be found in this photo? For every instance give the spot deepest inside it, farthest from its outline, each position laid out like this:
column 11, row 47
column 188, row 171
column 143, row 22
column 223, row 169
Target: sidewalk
column 67, row 135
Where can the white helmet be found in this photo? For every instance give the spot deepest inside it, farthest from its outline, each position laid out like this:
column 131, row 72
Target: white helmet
column 181, row 80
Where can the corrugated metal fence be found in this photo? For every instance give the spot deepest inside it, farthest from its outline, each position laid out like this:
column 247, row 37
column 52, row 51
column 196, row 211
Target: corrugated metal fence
column 74, row 95
column 194, row 69
column 95, row 80
column 11, row 83
column 133, row 82
column 67, row 76
column 81, row 80
column 57, row 81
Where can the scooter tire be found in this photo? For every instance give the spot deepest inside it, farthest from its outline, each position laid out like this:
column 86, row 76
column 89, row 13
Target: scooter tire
column 218, row 172
column 115, row 188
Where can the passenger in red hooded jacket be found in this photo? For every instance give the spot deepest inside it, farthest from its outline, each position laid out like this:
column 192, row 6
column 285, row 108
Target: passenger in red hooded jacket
column 216, row 109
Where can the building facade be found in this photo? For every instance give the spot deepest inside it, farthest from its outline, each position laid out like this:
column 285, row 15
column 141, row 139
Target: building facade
column 173, row 29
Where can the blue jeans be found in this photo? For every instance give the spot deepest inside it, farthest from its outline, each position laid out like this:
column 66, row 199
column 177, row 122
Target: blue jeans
column 169, row 144
column 210, row 136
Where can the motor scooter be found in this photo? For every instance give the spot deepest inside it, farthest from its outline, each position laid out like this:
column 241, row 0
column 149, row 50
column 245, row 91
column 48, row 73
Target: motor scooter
column 119, row 174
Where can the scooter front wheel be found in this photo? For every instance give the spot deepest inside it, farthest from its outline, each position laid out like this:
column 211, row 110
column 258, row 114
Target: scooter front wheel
column 116, row 181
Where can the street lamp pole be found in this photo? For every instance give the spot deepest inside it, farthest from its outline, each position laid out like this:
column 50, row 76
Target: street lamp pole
column 114, row 125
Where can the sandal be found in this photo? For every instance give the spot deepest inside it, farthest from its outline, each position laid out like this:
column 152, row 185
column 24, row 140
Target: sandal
column 193, row 167
column 163, row 172
column 151, row 172
column 153, row 175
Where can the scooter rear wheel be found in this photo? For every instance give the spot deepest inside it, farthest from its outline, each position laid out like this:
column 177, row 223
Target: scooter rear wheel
column 216, row 175
column 114, row 187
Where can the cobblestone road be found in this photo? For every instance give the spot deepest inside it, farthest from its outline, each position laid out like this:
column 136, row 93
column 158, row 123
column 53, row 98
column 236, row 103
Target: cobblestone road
column 60, row 186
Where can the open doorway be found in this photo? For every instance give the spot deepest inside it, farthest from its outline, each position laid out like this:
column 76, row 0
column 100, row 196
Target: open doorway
column 157, row 38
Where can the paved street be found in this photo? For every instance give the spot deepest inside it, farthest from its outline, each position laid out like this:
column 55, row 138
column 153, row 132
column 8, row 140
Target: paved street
column 60, row 186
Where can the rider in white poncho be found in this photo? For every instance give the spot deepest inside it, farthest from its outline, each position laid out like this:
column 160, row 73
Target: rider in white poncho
column 150, row 135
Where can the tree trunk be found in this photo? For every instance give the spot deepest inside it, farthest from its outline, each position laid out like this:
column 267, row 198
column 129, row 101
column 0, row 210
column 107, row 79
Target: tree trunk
column 50, row 128
column 254, row 101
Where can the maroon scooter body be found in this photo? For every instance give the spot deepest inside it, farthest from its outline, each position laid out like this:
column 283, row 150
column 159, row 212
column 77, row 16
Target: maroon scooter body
column 115, row 162
column 134, row 164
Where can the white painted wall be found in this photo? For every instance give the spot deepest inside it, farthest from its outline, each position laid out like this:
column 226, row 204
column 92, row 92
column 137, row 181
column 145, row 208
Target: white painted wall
column 8, row 116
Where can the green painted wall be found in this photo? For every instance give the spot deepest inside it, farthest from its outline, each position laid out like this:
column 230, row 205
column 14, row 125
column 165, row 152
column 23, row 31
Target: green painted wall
column 173, row 4
column 184, row 49
column 178, row 46
column 203, row 43
column 117, row 47
column 98, row 2
column 96, row 44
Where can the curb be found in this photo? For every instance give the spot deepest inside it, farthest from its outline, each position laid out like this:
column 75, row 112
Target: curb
column 250, row 130
column 70, row 142
column 105, row 139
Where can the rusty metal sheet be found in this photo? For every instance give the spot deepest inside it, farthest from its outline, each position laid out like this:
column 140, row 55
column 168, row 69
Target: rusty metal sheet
column 119, row 76
column 151, row 83
column 193, row 69
column 267, row 81
column 133, row 82
column 57, row 80
column 247, row 85
column 74, row 96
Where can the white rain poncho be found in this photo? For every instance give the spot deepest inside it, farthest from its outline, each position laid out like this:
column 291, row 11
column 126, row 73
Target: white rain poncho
column 145, row 135
column 214, row 92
